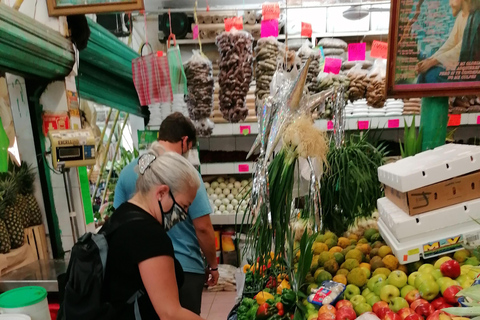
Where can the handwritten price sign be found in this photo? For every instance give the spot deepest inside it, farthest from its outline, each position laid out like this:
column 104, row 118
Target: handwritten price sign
column 379, row 49
column 363, row 125
column 269, row 28
column 356, row 51
column 234, row 22
column 195, row 32
column 270, row 11
column 245, row 130
column 332, row 65
column 243, row 168
column 306, row 30
column 454, row 120
column 393, row 123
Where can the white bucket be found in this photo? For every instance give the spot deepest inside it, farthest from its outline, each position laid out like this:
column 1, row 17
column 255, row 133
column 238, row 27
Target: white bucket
column 31, row 301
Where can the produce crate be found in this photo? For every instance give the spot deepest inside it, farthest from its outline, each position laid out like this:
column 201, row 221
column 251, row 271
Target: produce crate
column 36, row 239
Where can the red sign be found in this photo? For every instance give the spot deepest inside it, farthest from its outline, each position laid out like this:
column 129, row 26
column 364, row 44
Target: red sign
column 306, row 30
column 454, row 120
column 55, row 122
column 243, row 168
column 393, row 123
column 379, row 49
column 363, row 125
column 234, row 22
column 356, row 51
column 270, row 11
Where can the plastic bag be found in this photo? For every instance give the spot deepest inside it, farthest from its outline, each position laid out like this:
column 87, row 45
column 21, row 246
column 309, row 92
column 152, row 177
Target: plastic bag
column 332, row 43
column 177, row 74
column 304, row 53
column 376, row 84
column 358, row 82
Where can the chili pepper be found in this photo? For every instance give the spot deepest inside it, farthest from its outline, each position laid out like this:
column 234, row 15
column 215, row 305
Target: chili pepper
column 263, row 311
column 272, row 283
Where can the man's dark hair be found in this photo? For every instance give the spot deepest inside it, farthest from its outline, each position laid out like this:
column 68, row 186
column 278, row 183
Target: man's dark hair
column 175, row 127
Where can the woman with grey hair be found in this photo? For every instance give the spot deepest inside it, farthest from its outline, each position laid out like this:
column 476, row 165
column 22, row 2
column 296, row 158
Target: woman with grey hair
column 141, row 259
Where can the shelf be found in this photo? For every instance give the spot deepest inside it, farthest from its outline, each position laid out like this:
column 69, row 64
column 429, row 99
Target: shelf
column 227, row 168
column 226, row 219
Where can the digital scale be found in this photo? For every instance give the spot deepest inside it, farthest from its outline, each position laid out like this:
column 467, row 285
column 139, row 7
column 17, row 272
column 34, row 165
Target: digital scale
column 437, row 232
column 70, row 149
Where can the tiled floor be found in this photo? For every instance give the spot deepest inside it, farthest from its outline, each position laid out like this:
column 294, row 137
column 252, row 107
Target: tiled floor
column 217, row 305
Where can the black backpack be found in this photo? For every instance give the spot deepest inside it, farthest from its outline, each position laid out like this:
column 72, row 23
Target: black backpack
column 86, row 271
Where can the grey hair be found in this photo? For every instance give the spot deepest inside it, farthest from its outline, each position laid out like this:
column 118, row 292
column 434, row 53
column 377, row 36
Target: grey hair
column 169, row 168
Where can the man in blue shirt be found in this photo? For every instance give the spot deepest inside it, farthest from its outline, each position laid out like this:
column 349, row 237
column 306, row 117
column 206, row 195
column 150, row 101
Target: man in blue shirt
column 193, row 236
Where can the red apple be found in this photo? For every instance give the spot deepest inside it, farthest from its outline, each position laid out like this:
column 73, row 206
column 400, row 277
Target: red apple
column 439, row 315
column 390, row 315
column 405, row 312
column 346, row 313
column 450, row 294
column 379, row 305
column 343, row 303
column 382, row 312
column 418, row 302
column 414, row 317
column 438, row 302
column 326, row 316
column 412, row 296
column 425, row 310
column 445, row 305
column 450, row 269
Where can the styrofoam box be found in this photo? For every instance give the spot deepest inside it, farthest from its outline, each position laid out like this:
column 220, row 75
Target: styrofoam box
column 411, row 251
column 405, row 227
column 429, row 167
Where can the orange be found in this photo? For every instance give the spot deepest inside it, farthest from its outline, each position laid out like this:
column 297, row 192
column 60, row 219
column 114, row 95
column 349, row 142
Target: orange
column 365, row 265
column 327, row 309
column 340, row 278
column 336, row 249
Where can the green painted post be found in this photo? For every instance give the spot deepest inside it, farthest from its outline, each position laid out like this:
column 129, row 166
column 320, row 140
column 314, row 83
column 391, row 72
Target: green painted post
column 433, row 120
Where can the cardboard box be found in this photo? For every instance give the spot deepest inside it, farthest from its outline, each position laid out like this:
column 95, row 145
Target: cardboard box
column 438, row 195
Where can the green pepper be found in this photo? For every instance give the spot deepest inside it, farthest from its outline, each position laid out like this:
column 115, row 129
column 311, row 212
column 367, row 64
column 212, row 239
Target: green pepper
column 267, row 290
column 251, row 314
column 289, row 298
column 270, row 302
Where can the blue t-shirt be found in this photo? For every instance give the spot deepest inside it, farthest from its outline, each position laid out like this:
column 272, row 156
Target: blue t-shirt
column 184, row 238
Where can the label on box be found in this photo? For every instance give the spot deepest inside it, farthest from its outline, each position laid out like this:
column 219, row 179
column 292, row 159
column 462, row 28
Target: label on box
column 472, row 239
column 321, row 294
column 413, row 251
column 55, row 122
column 363, row 125
column 332, row 65
column 243, row 168
column 269, row 28
column 393, row 123
column 233, row 22
column 442, row 246
column 379, row 49
column 356, row 51
column 330, row 125
column 270, row 11
column 245, row 130
column 454, row 120
column 306, row 30
column 195, row 32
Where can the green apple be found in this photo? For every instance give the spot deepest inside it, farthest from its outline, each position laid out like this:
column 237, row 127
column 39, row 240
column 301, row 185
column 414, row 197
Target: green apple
column 448, row 283
column 362, row 308
column 358, row 299
column 412, row 277
column 398, row 303
column 366, row 292
column 351, row 291
column 465, row 281
column 389, row 292
column 437, row 274
column 405, row 290
column 440, row 261
column 398, row 279
column 312, row 316
column 426, row 268
column 377, row 288
column 422, row 277
column 429, row 290
column 368, row 273
column 373, row 299
column 473, row 273
column 375, row 279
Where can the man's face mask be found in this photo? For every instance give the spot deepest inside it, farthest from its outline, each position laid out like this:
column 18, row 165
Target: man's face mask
column 173, row 216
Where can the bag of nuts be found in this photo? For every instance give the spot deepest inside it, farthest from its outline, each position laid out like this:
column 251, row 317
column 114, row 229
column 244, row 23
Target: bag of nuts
column 376, row 84
column 358, row 82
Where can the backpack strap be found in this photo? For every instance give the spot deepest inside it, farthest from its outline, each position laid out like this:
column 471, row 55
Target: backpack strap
column 116, row 222
column 134, row 299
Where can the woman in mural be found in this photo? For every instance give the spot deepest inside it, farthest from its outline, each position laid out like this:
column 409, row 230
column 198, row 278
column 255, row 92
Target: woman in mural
column 470, row 51
column 447, row 57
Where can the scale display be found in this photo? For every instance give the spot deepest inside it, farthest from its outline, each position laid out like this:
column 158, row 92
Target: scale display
column 72, row 148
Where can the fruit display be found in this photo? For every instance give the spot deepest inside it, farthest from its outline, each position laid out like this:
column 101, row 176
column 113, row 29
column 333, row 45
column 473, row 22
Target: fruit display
column 228, row 195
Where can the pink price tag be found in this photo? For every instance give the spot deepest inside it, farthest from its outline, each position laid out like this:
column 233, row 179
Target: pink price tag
column 379, row 49
column 330, row 125
column 245, row 130
column 269, row 28
column 332, row 65
column 356, row 51
column 195, row 32
column 363, row 125
column 478, row 120
column 394, row 123
column 243, row 168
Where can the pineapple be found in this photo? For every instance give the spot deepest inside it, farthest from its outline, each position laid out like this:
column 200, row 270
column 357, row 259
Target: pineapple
column 10, row 216
column 25, row 177
column 4, row 236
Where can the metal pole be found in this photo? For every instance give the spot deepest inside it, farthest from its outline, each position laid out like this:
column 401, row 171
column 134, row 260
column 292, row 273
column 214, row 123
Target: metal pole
column 433, row 120
column 100, row 142
column 71, row 207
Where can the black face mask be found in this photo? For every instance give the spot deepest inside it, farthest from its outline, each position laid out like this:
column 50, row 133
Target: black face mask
column 173, row 216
